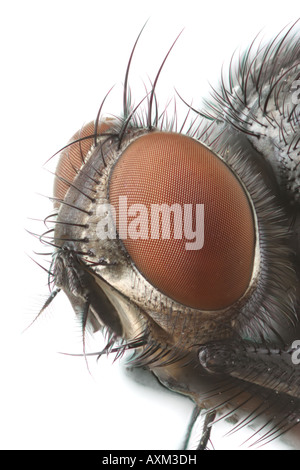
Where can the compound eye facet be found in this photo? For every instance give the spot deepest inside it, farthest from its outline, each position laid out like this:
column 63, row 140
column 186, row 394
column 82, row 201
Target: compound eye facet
column 190, row 227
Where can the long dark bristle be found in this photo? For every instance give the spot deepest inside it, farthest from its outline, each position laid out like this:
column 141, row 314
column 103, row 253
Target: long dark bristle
column 96, row 135
column 126, row 92
column 152, row 95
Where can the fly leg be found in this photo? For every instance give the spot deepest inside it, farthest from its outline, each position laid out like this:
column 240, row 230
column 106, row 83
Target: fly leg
column 270, row 367
column 206, row 430
column 207, row 427
column 194, row 417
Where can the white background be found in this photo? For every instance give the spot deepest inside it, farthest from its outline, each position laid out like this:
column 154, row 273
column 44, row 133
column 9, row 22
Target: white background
column 58, row 60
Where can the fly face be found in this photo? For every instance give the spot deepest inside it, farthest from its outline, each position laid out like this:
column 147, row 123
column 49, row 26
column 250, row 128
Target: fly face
column 184, row 244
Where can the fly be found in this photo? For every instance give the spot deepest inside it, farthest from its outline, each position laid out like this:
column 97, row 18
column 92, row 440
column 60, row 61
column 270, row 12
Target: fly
column 182, row 243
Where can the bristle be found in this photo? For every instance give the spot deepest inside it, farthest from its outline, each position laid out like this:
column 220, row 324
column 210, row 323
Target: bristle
column 126, row 90
column 150, row 122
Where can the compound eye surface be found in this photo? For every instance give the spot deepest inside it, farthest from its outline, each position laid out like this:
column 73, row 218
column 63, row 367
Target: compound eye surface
column 73, row 156
column 205, row 260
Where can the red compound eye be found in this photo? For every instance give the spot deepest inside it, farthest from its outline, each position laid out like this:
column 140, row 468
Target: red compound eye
column 72, row 158
column 167, row 168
